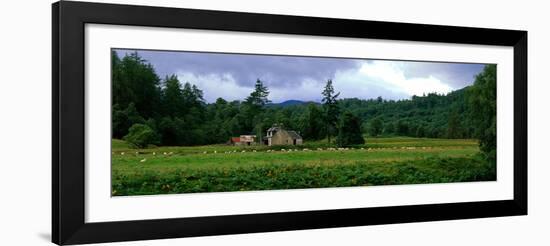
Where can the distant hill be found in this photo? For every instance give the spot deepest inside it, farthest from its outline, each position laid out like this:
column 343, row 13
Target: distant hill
column 288, row 103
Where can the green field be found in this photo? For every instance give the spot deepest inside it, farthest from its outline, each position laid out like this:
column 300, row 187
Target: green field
column 219, row 168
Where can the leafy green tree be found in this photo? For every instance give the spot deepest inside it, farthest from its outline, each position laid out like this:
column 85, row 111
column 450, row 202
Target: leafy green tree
column 193, row 114
column 453, row 127
column 117, row 81
column 376, row 127
column 349, row 131
column 199, row 96
column 389, row 128
column 217, row 127
column 141, row 135
column 153, row 124
column 168, row 132
column 192, row 98
column 282, row 117
column 123, row 119
column 172, row 97
column 313, row 125
column 421, row 131
column 330, row 106
column 402, row 128
column 134, row 81
column 482, row 104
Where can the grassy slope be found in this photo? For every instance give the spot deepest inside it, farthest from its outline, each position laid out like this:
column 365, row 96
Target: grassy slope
column 382, row 161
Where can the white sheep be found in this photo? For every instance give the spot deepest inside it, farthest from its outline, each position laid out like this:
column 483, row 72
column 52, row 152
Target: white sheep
column 143, row 160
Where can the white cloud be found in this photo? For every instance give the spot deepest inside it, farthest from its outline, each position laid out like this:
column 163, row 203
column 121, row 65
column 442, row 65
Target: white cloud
column 386, row 78
column 215, row 86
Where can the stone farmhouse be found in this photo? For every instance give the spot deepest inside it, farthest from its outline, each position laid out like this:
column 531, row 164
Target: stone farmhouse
column 277, row 135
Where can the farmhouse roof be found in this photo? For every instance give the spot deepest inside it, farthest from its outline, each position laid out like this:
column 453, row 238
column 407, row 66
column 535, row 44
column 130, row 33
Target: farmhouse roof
column 294, row 135
column 274, row 128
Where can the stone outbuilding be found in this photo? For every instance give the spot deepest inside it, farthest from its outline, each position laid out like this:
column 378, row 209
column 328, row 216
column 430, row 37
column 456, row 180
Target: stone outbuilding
column 244, row 140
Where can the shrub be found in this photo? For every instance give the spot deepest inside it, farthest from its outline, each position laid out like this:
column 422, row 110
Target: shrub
column 140, row 135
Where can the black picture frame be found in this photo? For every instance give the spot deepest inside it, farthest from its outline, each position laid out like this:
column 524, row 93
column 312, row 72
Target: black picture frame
column 68, row 107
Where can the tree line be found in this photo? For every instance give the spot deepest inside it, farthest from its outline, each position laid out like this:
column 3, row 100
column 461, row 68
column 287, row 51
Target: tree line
column 149, row 110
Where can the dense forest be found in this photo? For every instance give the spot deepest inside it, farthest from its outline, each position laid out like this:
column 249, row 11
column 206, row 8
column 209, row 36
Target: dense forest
column 147, row 109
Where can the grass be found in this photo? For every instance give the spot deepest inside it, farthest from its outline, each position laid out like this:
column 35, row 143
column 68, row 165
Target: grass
column 218, row 168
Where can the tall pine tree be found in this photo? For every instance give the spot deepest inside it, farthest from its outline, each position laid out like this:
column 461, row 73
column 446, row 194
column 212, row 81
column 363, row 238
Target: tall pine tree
column 258, row 97
column 330, row 106
column 255, row 103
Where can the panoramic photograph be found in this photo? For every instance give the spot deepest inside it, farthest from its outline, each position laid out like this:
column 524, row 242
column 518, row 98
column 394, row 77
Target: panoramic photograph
column 193, row 122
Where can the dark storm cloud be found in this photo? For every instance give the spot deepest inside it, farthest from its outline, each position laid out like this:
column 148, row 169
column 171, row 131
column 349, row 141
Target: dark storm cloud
column 232, row 76
column 276, row 71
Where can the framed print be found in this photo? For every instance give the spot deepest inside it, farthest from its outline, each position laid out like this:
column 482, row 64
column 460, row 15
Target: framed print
column 177, row 122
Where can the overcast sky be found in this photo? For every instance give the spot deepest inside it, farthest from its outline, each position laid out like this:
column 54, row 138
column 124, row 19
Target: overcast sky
column 232, row 76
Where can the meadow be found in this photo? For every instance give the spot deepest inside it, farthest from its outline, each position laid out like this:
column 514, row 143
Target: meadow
column 222, row 168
